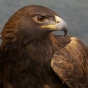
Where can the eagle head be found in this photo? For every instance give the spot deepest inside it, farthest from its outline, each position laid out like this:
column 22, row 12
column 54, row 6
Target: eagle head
column 31, row 23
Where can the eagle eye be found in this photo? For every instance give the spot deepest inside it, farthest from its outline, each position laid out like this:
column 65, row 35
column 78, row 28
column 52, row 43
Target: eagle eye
column 41, row 18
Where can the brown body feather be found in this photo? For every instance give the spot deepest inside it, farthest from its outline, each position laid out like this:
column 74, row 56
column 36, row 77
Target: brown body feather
column 29, row 67
column 70, row 63
column 31, row 57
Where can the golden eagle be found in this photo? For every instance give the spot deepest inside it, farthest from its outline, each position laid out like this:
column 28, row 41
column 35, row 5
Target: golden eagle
column 31, row 56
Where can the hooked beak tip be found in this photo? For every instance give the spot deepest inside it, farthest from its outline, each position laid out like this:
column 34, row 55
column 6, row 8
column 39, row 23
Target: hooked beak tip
column 65, row 32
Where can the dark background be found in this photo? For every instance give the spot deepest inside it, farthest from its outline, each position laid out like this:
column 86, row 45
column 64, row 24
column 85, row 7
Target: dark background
column 74, row 12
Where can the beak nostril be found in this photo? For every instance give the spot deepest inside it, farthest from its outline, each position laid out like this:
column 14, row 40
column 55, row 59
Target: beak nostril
column 58, row 21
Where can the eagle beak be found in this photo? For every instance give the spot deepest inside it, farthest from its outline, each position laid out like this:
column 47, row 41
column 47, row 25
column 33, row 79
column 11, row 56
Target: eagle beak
column 59, row 25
